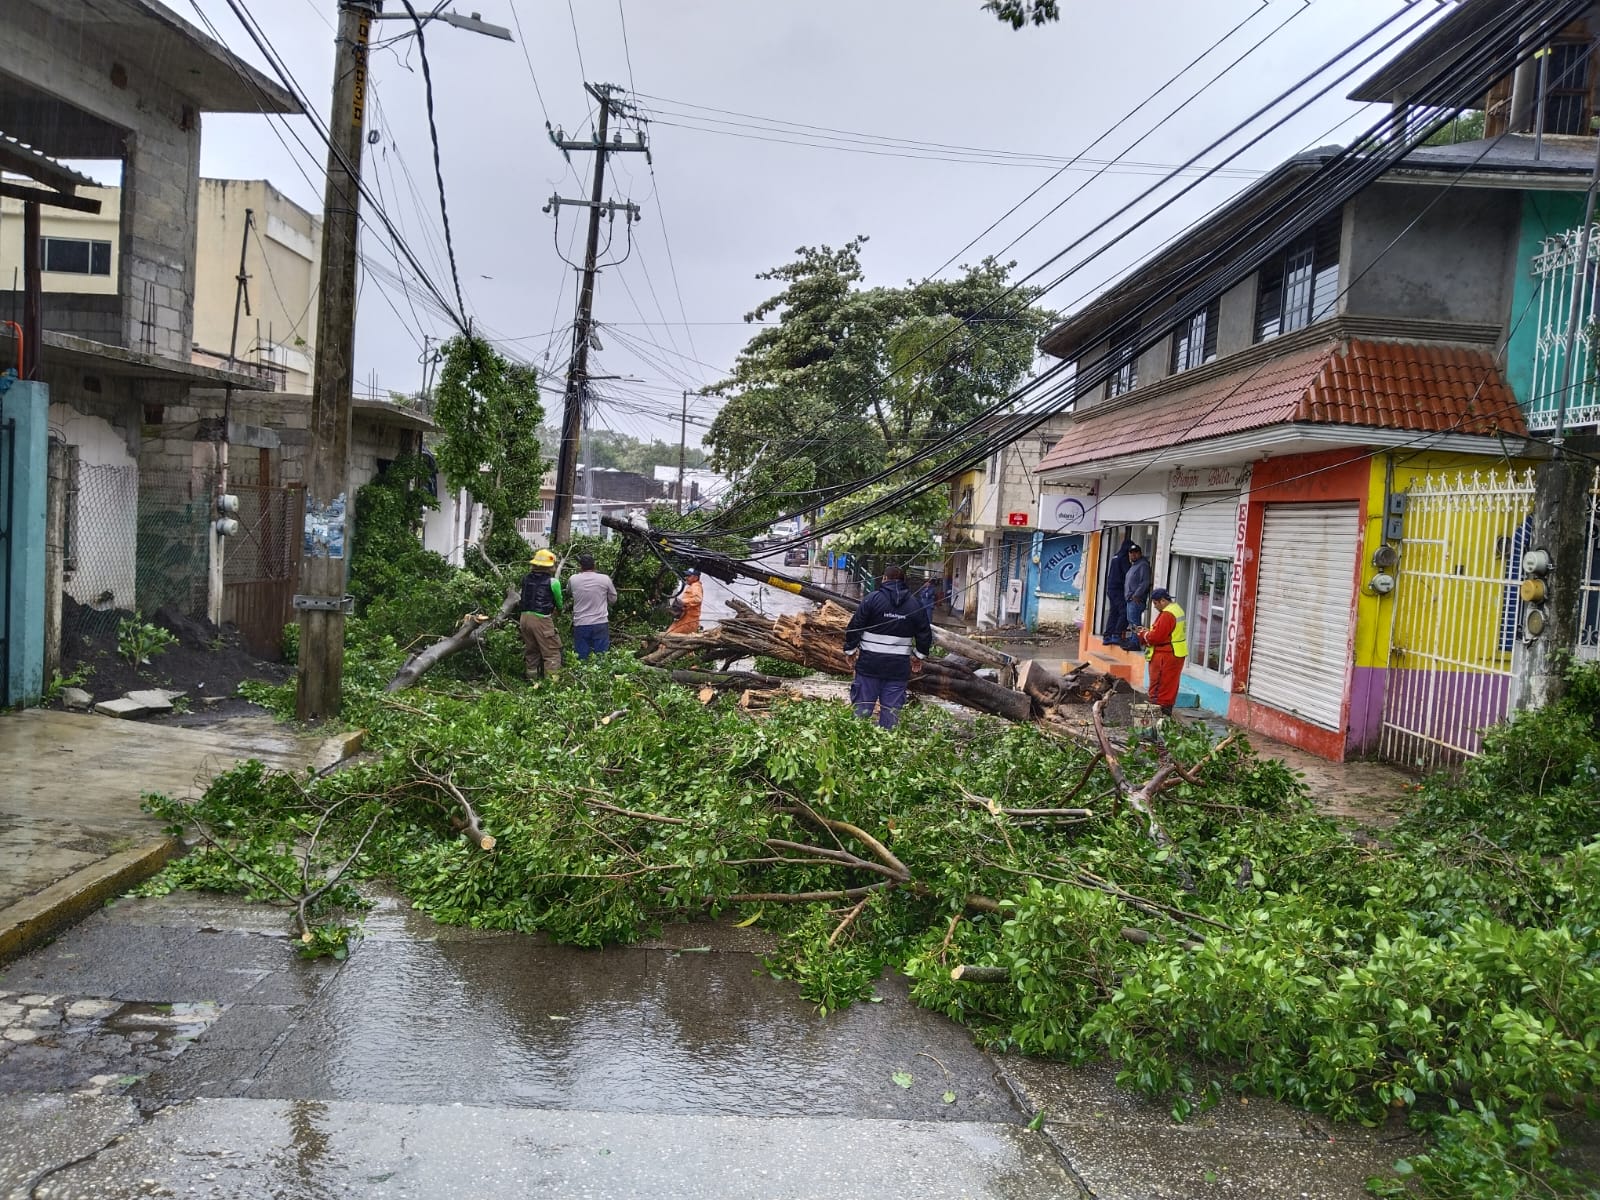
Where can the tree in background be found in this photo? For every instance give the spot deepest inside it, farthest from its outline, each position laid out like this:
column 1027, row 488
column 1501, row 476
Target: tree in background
column 1018, row 13
column 620, row 452
column 851, row 379
column 488, row 413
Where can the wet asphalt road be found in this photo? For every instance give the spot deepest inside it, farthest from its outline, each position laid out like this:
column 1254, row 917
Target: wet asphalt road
column 176, row 1047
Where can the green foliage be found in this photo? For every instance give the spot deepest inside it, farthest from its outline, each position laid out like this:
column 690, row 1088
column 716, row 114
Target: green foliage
column 1534, row 788
column 488, row 413
column 60, row 683
column 618, row 451
column 850, row 378
column 138, row 640
column 903, row 533
column 1018, row 13
column 1468, row 127
column 1449, row 973
column 780, row 668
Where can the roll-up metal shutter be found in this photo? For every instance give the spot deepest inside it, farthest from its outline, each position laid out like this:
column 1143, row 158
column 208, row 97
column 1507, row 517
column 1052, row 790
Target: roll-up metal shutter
column 1206, row 524
column 1300, row 648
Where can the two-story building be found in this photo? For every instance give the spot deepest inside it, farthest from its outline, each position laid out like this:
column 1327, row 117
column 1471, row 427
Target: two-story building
column 1328, row 463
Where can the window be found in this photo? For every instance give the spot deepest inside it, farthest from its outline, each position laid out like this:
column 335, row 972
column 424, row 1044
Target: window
column 1195, row 342
column 1200, row 585
column 1124, row 362
column 1566, row 104
column 76, row 256
column 1300, row 286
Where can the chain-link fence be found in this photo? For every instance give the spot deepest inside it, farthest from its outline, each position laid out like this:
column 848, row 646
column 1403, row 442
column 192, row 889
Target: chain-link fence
column 135, row 542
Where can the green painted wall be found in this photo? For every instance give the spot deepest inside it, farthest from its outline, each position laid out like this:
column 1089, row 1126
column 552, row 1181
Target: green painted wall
column 1544, row 214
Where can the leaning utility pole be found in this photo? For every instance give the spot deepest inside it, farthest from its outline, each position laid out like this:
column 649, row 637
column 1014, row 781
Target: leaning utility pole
column 583, row 324
column 324, row 559
column 323, row 562
column 683, row 446
column 1555, row 564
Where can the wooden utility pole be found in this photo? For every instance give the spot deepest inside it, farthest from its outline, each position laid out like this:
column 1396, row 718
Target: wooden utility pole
column 583, row 324
column 683, row 445
column 324, row 561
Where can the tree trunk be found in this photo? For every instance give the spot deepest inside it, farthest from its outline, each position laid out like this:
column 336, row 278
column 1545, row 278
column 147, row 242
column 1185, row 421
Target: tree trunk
column 1081, row 685
column 472, row 631
column 816, row 640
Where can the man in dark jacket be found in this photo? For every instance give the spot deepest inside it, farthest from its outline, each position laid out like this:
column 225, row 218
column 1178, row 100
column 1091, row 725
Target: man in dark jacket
column 1136, row 590
column 1116, row 623
column 888, row 637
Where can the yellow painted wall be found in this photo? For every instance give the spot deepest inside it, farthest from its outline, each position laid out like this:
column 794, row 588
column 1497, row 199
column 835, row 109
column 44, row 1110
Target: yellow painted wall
column 1377, row 629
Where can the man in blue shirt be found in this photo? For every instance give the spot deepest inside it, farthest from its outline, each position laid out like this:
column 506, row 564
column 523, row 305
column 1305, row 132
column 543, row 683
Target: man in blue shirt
column 888, row 637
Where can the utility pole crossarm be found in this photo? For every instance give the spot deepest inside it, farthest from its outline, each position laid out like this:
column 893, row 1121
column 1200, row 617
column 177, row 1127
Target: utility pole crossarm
column 610, row 206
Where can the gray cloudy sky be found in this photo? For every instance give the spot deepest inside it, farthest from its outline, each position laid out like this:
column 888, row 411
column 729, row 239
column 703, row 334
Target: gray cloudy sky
column 732, row 200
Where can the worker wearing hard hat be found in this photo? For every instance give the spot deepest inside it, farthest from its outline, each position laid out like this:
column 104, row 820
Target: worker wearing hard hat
column 541, row 597
column 692, row 596
column 1166, row 646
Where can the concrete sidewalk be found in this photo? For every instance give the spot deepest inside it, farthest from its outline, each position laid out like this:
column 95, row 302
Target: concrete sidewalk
column 71, row 830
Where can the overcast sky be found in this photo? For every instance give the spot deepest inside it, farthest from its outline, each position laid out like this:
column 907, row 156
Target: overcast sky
column 731, row 198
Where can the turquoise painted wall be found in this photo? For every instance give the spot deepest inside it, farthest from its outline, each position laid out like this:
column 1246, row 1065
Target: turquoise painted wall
column 23, row 469
column 1544, row 214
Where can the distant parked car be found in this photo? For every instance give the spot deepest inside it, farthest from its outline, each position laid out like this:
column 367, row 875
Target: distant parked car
column 796, row 556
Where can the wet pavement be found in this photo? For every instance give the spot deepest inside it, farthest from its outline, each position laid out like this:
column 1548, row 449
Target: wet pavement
column 175, row 1046
column 70, row 785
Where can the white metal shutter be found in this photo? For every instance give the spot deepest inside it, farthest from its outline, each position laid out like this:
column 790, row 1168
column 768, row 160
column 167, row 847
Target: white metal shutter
column 1300, row 649
column 1206, row 524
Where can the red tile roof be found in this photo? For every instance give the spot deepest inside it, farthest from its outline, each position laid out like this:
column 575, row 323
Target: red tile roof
column 1410, row 386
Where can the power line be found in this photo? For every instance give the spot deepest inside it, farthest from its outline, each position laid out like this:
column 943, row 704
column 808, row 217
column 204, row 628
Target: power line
column 787, row 450
column 583, row 71
column 527, row 57
column 1346, row 173
column 438, row 166
column 627, row 51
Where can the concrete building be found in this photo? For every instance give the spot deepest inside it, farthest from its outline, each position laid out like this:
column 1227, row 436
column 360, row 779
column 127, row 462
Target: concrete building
column 1327, row 461
column 125, row 82
column 282, row 256
column 281, row 253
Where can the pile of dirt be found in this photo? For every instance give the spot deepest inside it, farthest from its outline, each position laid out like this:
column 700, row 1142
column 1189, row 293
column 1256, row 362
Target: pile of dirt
column 205, row 662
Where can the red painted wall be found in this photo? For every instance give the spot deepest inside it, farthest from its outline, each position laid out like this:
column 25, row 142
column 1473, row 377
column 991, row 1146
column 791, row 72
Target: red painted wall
column 1329, row 477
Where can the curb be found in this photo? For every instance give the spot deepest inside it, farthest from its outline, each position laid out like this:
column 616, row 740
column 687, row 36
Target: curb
column 31, row 922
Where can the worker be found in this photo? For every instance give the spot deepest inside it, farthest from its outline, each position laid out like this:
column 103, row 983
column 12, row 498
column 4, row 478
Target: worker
column 1166, row 646
column 886, row 641
column 541, row 597
column 1136, row 592
column 691, row 598
column 593, row 594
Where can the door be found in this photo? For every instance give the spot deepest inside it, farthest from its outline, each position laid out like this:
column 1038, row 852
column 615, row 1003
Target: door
column 261, row 565
column 1300, row 647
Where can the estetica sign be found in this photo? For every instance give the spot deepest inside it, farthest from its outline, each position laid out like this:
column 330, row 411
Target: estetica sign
column 1067, row 512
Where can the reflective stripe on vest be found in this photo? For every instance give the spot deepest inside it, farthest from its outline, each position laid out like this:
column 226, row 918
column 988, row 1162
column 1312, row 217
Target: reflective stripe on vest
column 880, row 643
column 1180, row 632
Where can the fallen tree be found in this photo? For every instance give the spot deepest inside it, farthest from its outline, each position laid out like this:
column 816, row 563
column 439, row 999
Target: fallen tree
column 816, row 640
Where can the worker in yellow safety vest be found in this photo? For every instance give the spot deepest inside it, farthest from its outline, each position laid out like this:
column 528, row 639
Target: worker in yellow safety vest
column 1166, row 645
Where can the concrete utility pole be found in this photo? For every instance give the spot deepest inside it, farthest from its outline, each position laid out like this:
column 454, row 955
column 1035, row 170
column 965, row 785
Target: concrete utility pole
column 323, row 564
column 583, row 324
column 1554, row 565
column 683, row 445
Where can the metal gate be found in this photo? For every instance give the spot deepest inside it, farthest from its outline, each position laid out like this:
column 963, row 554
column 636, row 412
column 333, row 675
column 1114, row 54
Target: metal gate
column 261, row 565
column 1456, row 613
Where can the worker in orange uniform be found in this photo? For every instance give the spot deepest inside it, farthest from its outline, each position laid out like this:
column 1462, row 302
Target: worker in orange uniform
column 691, row 598
column 1166, row 645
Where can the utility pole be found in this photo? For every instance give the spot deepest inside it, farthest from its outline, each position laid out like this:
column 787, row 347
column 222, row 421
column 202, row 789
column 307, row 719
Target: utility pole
column 583, row 324
column 1555, row 564
column 683, row 446
column 323, row 563
column 324, row 560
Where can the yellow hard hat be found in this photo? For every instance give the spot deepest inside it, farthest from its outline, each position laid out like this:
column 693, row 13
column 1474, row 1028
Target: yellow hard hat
column 543, row 558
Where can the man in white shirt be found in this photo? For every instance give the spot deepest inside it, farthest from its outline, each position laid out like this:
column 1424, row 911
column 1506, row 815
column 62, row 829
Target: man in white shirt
column 593, row 594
